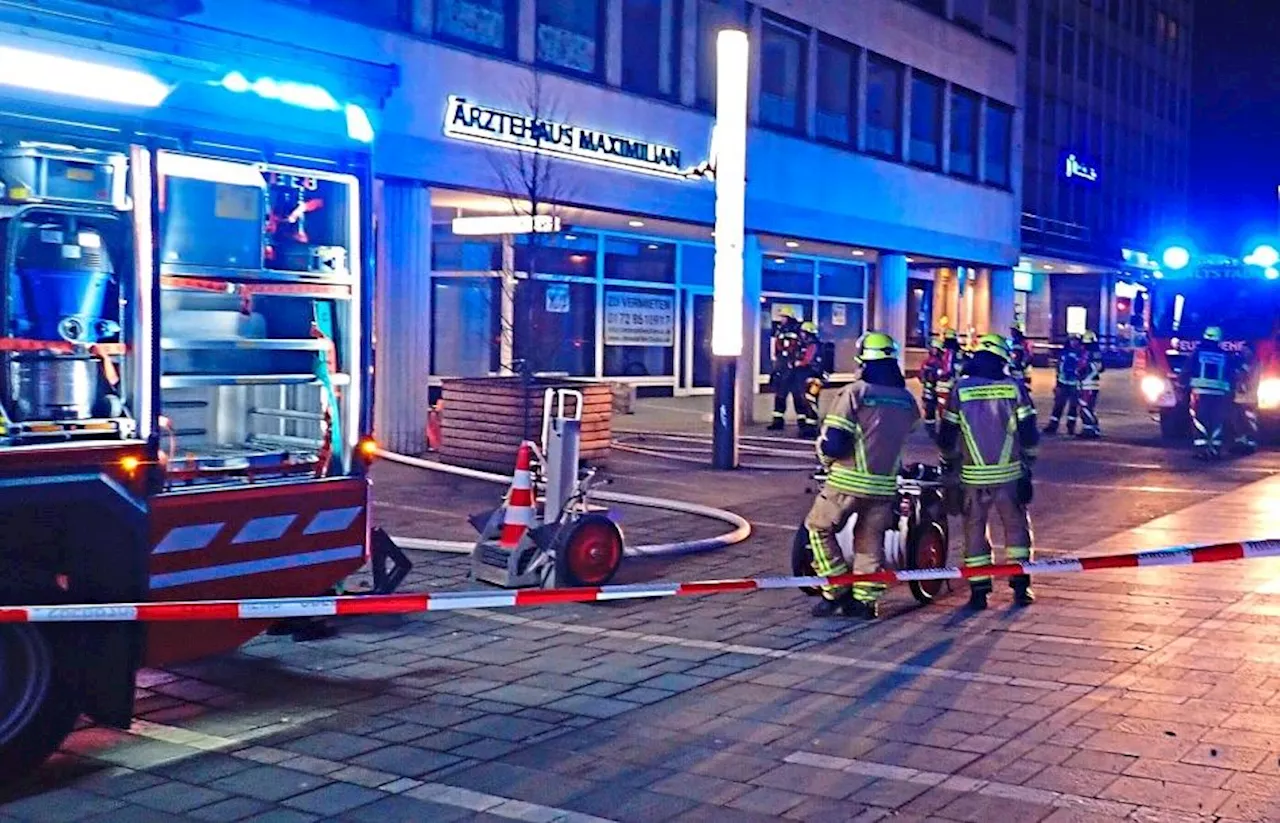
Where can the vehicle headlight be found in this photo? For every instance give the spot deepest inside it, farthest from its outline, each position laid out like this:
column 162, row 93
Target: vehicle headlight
column 1153, row 387
column 1269, row 393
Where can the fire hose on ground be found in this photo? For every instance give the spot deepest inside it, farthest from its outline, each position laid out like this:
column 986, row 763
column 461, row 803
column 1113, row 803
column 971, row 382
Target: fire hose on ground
column 290, row 607
column 741, row 528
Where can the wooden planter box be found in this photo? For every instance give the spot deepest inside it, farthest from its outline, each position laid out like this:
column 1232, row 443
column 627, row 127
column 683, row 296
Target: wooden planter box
column 485, row 418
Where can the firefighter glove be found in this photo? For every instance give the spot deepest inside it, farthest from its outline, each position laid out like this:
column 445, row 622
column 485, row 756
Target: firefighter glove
column 1026, row 489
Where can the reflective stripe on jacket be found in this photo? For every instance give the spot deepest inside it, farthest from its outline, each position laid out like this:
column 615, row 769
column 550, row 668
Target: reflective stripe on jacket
column 878, row 420
column 988, row 413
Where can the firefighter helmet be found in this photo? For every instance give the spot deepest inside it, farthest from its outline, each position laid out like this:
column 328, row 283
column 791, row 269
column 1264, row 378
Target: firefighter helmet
column 876, row 345
column 935, row 342
column 809, row 327
column 1089, row 337
column 949, row 334
column 994, row 344
column 1213, row 334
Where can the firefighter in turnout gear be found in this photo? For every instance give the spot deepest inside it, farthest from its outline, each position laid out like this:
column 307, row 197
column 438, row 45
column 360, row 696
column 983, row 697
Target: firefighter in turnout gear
column 930, row 374
column 1066, row 395
column 812, row 376
column 1091, row 369
column 989, row 436
column 952, row 365
column 1245, row 417
column 861, row 444
column 1020, row 357
column 786, row 379
column 1211, row 376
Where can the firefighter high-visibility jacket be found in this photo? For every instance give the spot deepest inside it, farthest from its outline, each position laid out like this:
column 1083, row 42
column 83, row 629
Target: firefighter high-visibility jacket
column 1211, row 371
column 989, row 428
column 863, row 436
column 1069, row 367
column 1091, row 369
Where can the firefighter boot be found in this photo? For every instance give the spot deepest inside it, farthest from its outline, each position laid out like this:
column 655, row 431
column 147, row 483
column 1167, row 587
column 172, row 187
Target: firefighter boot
column 978, row 592
column 777, row 425
column 843, row 604
column 865, row 610
column 1023, row 595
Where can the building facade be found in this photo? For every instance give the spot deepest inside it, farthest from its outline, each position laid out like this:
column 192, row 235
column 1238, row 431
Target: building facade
column 884, row 179
column 1106, row 160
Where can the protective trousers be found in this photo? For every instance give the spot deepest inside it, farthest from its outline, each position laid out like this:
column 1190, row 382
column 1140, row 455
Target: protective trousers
column 979, row 502
column 827, row 518
column 1065, row 396
column 1246, row 428
column 789, row 383
column 1088, row 414
column 1209, row 413
column 929, row 394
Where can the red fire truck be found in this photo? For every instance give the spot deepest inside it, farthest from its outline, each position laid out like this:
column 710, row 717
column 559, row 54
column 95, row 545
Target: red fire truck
column 1241, row 298
column 184, row 357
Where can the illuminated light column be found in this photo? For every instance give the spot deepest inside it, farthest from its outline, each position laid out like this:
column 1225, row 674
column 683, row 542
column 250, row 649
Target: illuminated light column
column 731, row 183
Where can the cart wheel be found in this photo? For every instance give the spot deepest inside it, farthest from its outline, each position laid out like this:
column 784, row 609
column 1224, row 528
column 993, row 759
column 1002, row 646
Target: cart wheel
column 927, row 550
column 802, row 560
column 591, row 552
column 37, row 710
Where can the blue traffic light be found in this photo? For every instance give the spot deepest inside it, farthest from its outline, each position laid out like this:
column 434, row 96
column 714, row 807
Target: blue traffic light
column 1176, row 258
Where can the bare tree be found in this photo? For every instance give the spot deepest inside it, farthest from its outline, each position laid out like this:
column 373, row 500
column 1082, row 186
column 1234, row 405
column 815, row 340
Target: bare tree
column 535, row 187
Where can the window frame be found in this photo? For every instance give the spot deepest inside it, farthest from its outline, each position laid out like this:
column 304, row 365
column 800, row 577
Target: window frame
column 854, row 54
column 1008, row 111
column 675, row 55
column 511, row 31
column 976, row 130
column 790, row 29
column 940, row 87
column 875, row 60
column 601, row 34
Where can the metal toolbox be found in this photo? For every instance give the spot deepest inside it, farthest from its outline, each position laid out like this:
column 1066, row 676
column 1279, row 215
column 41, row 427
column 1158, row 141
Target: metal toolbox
column 37, row 171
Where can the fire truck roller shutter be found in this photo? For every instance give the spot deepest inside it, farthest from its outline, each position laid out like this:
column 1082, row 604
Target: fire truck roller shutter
column 67, row 538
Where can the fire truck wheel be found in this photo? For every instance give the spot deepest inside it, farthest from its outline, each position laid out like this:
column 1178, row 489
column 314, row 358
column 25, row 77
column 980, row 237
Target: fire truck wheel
column 802, row 560
column 37, row 709
column 590, row 553
column 927, row 550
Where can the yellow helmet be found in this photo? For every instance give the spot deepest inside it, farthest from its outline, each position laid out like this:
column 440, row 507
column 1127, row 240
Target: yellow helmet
column 809, row 327
column 935, row 342
column 1213, row 334
column 949, row 334
column 994, row 344
column 876, row 345
column 1089, row 337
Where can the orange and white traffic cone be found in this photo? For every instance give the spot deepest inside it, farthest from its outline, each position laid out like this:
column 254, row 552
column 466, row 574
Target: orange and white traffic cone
column 519, row 513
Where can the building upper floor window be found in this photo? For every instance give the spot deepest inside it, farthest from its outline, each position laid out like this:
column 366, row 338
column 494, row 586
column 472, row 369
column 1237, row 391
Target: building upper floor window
column 713, row 15
column 884, row 106
column 926, row 120
column 651, row 46
column 1052, row 36
column 998, row 145
column 938, row 7
column 570, row 34
column 1068, row 50
column 965, row 106
column 1035, row 30
column 837, row 101
column 784, row 66
column 1082, row 61
column 972, row 14
column 488, row 24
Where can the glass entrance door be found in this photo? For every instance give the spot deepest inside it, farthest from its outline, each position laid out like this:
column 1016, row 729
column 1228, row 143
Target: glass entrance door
column 696, row 377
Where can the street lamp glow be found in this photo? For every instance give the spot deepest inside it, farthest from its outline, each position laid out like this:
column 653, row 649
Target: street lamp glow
column 731, row 182
column 1176, row 258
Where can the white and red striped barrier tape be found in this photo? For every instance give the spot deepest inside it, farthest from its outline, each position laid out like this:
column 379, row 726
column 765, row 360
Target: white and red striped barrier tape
column 279, row 608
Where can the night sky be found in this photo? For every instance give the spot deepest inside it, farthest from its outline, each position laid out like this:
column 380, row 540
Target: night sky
column 1235, row 124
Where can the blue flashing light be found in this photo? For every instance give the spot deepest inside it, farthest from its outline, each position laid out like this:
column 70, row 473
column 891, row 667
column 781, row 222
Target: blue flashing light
column 1272, row 273
column 302, row 95
column 1176, row 258
column 358, row 126
column 1265, row 256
